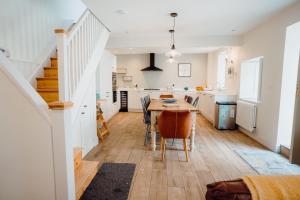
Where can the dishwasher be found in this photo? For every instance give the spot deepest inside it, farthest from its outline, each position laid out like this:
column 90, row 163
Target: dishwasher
column 225, row 115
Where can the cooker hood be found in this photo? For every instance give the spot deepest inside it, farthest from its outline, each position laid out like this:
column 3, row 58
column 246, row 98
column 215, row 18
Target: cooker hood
column 152, row 64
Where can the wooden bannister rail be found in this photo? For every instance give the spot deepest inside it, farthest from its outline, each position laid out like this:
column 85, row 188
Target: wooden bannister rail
column 74, row 50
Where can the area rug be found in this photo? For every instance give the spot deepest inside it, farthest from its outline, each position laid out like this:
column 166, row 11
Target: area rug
column 112, row 181
column 268, row 163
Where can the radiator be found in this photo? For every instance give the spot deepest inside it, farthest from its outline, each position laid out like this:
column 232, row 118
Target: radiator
column 246, row 115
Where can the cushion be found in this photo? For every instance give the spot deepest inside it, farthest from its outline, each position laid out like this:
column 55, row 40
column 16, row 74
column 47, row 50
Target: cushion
column 228, row 190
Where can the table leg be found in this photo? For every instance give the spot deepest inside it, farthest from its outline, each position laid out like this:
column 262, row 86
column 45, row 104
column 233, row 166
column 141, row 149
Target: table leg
column 192, row 138
column 153, row 130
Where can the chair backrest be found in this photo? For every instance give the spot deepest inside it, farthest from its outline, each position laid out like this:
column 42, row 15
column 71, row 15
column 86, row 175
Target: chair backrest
column 147, row 117
column 147, row 101
column 175, row 124
column 186, row 97
column 189, row 99
column 166, row 96
column 195, row 103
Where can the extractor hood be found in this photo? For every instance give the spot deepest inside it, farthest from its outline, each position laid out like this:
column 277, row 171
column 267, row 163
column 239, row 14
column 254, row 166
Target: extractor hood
column 152, row 64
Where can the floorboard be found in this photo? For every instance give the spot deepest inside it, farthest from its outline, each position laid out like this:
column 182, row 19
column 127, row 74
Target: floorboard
column 213, row 159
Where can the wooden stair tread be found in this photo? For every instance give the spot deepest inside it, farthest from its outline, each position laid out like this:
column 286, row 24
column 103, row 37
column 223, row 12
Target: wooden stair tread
column 47, row 89
column 50, row 68
column 46, row 78
column 84, row 174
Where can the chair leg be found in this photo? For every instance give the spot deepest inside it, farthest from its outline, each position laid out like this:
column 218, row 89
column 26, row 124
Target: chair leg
column 185, row 149
column 162, row 148
column 147, row 135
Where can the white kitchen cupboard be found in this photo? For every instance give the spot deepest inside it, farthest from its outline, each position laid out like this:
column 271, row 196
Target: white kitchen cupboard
column 104, row 85
column 109, row 109
column 134, row 102
column 207, row 104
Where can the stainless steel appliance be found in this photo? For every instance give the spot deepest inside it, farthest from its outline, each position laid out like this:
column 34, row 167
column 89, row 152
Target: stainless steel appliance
column 225, row 115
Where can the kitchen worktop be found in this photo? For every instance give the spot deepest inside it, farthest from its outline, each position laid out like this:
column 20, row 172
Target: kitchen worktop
column 209, row 92
column 218, row 93
column 157, row 89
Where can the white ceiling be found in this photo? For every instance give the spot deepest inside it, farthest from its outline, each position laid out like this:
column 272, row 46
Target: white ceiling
column 196, row 18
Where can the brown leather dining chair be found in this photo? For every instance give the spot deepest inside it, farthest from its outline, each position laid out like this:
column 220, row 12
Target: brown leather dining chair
column 174, row 124
column 166, row 96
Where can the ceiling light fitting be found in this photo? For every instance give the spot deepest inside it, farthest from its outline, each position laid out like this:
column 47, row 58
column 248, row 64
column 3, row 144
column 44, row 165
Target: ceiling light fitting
column 122, row 12
column 173, row 52
column 171, row 60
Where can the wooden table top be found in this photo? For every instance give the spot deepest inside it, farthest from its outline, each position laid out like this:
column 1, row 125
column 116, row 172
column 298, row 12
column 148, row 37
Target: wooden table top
column 158, row 105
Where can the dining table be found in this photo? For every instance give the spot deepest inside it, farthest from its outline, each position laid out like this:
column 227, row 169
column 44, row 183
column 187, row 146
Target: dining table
column 158, row 105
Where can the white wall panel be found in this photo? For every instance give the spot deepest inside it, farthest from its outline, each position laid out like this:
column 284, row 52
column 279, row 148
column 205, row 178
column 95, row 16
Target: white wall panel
column 27, row 29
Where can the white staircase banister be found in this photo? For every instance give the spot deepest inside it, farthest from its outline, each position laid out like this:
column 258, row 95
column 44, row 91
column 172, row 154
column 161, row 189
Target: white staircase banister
column 75, row 49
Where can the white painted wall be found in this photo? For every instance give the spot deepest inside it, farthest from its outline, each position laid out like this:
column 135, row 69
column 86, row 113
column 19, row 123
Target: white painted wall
column 104, row 84
column 69, row 9
column 268, row 40
column 26, row 151
column 27, row 29
column 155, row 79
column 231, row 81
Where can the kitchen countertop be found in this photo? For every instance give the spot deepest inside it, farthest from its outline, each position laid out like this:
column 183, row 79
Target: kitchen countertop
column 209, row 92
column 160, row 89
column 218, row 93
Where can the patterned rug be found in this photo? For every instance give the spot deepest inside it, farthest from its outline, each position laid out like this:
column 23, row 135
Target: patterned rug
column 268, row 163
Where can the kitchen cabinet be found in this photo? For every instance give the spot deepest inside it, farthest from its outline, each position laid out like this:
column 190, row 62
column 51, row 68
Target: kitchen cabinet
column 206, row 106
column 207, row 102
column 134, row 102
column 104, row 85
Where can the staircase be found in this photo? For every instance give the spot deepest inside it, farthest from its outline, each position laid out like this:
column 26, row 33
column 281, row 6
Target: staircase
column 84, row 172
column 47, row 86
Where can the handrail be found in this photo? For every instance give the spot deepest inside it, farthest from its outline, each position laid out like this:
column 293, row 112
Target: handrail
column 100, row 20
column 5, row 52
column 71, row 31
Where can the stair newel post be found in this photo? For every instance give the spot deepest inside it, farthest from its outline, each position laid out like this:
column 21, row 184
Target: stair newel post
column 60, row 113
column 63, row 71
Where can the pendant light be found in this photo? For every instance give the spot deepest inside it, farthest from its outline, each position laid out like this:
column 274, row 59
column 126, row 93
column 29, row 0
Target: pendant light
column 173, row 52
column 171, row 60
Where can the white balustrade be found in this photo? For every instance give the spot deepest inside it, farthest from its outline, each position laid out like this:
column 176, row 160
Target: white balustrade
column 74, row 50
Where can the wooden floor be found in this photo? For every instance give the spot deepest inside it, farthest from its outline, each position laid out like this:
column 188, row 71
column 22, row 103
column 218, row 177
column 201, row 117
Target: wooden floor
column 213, row 159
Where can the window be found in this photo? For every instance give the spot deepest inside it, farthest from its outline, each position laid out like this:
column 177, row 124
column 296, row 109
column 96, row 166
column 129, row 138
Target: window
column 221, row 72
column 250, row 79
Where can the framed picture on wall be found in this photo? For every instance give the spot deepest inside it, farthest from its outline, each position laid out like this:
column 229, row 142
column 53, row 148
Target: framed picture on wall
column 184, row 69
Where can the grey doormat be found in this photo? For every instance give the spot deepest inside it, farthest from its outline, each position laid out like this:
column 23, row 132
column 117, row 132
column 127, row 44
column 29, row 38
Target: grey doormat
column 268, row 163
column 112, row 182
